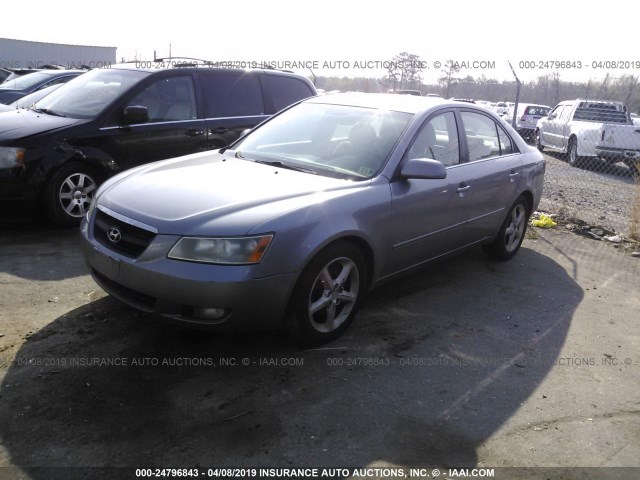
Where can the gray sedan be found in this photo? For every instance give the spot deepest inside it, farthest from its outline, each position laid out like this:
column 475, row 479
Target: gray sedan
column 291, row 225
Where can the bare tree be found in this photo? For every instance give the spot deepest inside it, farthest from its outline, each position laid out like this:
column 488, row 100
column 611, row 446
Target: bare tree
column 633, row 81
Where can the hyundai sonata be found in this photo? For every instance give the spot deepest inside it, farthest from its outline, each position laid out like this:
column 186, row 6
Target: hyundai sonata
column 293, row 223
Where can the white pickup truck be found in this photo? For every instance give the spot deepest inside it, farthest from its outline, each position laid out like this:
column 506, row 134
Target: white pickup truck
column 589, row 129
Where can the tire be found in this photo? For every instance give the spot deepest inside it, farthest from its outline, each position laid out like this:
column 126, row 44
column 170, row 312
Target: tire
column 538, row 139
column 574, row 159
column 634, row 166
column 511, row 233
column 319, row 313
column 69, row 193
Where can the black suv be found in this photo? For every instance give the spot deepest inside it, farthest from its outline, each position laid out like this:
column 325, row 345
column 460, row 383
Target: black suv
column 56, row 153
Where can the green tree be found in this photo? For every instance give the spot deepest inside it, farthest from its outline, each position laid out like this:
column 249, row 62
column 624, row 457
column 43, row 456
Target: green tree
column 404, row 71
column 449, row 77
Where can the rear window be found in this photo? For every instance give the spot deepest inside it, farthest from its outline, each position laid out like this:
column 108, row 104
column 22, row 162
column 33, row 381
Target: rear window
column 537, row 111
column 286, row 91
column 600, row 112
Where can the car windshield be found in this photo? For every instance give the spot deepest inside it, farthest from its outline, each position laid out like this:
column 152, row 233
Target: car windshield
column 25, row 81
column 87, row 96
column 332, row 140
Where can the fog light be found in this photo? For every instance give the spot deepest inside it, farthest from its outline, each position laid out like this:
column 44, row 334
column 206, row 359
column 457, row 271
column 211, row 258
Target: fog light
column 207, row 313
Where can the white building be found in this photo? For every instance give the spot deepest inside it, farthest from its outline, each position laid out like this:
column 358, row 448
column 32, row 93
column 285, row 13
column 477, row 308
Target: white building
column 16, row 54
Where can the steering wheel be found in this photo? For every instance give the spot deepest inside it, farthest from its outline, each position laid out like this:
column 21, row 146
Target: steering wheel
column 342, row 148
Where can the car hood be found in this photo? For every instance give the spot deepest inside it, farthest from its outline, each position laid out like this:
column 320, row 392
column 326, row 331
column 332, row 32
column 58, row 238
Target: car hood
column 20, row 123
column 213, row 194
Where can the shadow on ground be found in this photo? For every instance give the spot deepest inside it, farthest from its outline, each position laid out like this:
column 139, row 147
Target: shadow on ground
column 37, row 250
column 431, row 368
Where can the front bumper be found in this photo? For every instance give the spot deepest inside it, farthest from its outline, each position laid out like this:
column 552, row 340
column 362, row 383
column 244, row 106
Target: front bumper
column 178, row 290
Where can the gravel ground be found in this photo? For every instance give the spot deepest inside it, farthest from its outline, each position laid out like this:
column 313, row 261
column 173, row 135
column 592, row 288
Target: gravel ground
column 601, row 194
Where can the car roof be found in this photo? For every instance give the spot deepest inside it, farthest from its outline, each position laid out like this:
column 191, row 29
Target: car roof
column 532, row 105
column 385, row 101
column 55, row 73
column 192, row 68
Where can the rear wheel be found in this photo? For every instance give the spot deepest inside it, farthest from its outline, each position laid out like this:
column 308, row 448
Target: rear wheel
column 511, row 234
column 634, row 166
column 69, row 193
column 327, row 295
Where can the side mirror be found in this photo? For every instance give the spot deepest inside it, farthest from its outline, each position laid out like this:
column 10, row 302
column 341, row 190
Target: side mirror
column 423, row 168
column 135, row 114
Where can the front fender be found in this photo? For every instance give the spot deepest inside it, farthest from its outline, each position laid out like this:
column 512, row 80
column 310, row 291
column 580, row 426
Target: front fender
column 362, row 214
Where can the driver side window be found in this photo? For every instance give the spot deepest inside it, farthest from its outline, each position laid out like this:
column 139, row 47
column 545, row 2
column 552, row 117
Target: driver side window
column 437, row 140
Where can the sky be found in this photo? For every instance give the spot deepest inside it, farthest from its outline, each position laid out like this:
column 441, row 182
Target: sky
column 327, row 35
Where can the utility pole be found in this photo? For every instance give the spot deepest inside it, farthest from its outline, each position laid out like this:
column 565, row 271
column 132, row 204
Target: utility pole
column 515, row 107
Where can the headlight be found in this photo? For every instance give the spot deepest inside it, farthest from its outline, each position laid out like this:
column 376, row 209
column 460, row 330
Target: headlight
column 233, row 251
column 11, row 157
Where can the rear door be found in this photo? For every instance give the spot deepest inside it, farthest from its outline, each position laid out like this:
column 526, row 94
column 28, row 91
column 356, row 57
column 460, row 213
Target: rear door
column 494, row 169
column 233, row 102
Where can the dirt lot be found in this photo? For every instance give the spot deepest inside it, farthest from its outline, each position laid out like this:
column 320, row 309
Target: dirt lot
column 470, row 363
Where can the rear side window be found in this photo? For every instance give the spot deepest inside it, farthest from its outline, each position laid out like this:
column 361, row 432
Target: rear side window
column 485, row 138
column 599, row 112
column 285, row 91
column 232, row 95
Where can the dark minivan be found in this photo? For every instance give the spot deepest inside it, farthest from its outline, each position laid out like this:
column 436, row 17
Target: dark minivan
column 55, row 154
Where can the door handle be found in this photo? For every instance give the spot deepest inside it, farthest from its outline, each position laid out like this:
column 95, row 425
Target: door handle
column 219, row 130
column 463, row 189
column 513, row 175
column 194, row 133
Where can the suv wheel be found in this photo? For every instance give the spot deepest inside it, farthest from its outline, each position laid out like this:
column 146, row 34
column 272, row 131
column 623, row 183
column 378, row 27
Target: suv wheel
column 69, row 193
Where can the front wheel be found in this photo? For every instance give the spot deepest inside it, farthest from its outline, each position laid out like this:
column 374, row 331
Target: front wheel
column 538, row 139
column 327, row 295
column 511, row 234
column 574, row 159
column 69, row 193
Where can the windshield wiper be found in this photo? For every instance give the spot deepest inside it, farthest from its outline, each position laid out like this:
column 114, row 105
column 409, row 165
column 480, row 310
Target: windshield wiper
column 47, row 111
column 278, row 164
